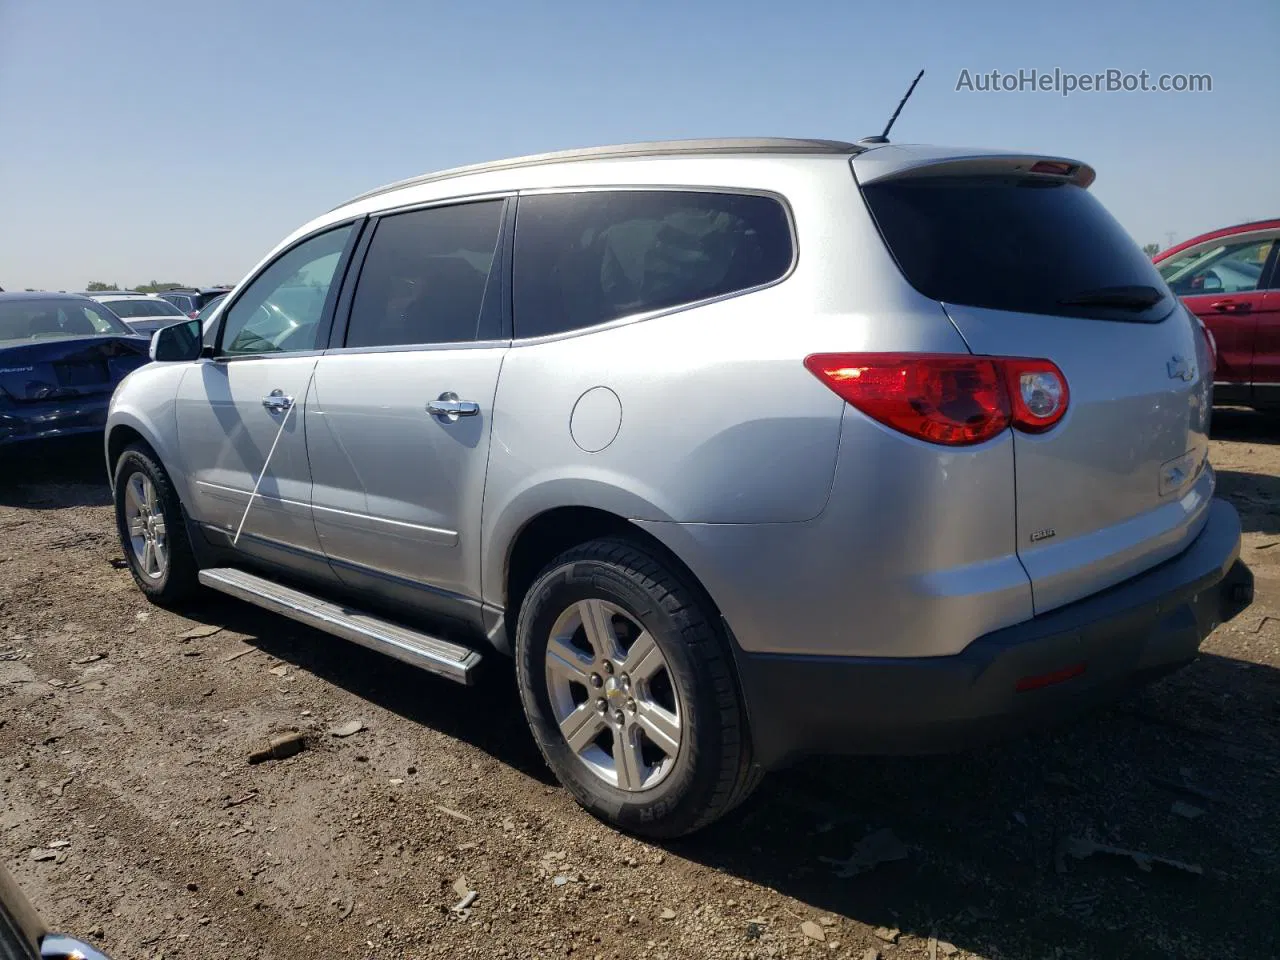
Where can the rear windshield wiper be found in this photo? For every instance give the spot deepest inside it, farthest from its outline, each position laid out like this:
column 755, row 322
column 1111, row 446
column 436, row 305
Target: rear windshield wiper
column 1137, row 297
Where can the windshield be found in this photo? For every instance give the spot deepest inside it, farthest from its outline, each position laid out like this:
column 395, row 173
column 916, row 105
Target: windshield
column 47, row 319
column 1011, row 243
column 149, row 307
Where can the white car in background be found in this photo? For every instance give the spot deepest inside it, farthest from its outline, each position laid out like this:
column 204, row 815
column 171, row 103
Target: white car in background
column 145, row 313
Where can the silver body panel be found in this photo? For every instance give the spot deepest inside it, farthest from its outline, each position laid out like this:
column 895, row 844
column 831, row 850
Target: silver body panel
column 397, row 490
column 224, row 434
column 814, row 529
column 1095, row 480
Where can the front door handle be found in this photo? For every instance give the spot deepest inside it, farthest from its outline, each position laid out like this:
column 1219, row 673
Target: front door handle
column 449, row 408
column 1232, row 306
column 277, row 401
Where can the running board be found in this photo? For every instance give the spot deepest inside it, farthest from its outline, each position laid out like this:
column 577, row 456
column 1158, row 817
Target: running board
column 417, row 649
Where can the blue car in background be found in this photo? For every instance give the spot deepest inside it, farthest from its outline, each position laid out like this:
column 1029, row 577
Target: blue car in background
column 61, row 356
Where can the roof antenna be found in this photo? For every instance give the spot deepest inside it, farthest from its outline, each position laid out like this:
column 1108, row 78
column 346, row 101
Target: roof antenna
column 884, row 137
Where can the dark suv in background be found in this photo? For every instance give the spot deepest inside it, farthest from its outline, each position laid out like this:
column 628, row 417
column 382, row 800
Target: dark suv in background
column 192, row 301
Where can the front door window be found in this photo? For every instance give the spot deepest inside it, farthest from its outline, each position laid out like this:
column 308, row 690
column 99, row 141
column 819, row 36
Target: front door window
column 280, row 311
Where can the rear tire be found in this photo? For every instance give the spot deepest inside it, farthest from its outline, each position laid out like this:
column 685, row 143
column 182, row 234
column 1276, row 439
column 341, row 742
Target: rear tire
column 661, row 746
column 152, row 528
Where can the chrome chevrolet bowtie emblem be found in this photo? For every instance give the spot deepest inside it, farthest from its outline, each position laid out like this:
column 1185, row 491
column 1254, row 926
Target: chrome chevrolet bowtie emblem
column 1181, row 369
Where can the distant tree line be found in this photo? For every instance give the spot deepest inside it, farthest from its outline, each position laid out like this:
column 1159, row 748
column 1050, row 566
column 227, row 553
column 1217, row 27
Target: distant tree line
column 97, row 286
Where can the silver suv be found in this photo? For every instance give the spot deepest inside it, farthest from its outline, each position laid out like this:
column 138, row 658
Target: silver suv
column 741, row 449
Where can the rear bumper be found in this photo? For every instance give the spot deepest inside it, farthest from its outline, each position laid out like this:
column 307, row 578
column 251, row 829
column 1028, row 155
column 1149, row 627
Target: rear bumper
column 1066, row 660
column 42, row 421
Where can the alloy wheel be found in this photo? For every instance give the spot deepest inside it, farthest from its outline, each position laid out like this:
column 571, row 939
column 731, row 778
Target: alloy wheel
column 612, row 695
column 144, row 519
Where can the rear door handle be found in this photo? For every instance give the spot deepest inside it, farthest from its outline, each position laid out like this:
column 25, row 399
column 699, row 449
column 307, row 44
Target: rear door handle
column 449, row 408
column 277, row 401
column 1232, row 306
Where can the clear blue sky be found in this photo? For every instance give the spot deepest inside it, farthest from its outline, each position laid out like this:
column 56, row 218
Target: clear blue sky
column 146, row 140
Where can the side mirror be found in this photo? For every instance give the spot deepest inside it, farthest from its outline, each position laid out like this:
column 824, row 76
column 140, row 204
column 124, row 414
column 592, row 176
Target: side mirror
column 57, row 947
column 23, row 933
column 1207, row 282
column 177, row 342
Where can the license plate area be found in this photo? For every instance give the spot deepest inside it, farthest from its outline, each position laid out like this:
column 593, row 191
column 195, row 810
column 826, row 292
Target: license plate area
column 91, row 374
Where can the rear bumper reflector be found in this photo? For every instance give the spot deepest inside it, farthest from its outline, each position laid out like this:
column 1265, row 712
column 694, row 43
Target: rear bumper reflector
column 1049, row 679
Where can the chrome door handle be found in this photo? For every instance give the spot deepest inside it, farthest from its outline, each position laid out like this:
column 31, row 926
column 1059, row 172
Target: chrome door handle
column 449, row 408
column 277, row 401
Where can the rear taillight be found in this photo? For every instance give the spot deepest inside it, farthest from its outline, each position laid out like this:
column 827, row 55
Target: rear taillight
column 1210, row 344
column 955, row 400
column 193, row 314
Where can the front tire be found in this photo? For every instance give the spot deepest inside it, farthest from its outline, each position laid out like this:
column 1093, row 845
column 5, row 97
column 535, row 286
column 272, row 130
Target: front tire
column 629, row 690
column 152, row 528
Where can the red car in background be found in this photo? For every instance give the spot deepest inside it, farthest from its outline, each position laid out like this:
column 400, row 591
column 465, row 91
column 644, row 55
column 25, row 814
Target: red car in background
column 1230, row 279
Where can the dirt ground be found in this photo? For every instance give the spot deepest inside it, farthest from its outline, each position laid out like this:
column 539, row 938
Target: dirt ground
column 129, row 812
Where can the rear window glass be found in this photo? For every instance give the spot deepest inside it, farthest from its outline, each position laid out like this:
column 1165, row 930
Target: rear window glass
column 143, row 308
column 588, row 258
column 47, row 319
column 181, row 301
column 1013, row 244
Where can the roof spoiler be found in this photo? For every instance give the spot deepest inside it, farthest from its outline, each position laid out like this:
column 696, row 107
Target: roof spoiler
column 894, row 163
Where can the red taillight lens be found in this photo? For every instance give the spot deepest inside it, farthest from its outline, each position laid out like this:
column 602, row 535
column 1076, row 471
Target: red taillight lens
column 193, row 314
column 1211, row 344
column 955, row 400
column 952, row 400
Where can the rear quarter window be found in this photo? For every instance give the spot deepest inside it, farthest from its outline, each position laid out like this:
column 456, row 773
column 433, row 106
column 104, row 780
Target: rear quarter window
column 131, row 309
column 583, row 259
column 1010, row 243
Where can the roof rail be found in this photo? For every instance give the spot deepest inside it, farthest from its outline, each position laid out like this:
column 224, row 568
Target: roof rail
column 655, row 148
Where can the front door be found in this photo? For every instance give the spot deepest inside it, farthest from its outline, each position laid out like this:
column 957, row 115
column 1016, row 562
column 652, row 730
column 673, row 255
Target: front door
column 400, row 415
column 241, row 416
column 1266, row 346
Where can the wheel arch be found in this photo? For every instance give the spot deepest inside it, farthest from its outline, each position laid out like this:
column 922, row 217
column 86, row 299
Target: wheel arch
column 555, row 529
column 118, row 439
column 124, row 429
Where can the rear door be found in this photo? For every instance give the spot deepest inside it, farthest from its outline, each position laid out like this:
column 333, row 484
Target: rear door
column 1034, row 266
column 1221, row 281
column 399, row 422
